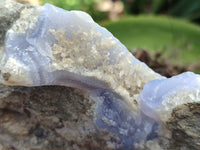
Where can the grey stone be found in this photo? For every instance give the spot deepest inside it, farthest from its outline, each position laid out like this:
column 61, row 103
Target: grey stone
column 62, row 118
column 7, row 16
column 185, row 127
column 49, row 117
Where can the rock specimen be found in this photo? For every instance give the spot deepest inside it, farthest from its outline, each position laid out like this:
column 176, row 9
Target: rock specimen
column 107, row 109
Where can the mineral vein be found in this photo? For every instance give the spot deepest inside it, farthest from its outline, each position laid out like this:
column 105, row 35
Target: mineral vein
column 46, row 45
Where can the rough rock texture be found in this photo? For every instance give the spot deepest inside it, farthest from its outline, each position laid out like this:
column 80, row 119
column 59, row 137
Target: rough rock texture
column 30, row 115
column 50, row 117
column 185, row 127
column 183, row 123
column 61, row 118
column 8, row 17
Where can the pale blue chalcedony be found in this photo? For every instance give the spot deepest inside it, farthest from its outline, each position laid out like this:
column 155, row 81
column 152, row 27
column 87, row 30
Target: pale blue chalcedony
column 50, row 46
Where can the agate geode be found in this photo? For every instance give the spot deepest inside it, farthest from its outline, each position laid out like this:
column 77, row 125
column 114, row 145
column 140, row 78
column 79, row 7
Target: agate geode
column 47, row 45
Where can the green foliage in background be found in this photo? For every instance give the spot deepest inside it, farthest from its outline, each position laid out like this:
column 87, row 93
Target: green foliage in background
column 84, row 5
column 71, row 4
column 178, row 39
column 187, row 9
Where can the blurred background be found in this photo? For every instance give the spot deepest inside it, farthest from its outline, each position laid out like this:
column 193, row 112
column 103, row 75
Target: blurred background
column 159, row 32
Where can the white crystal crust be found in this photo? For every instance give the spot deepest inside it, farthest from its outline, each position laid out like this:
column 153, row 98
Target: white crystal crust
column 160, row 97
column 54, row 44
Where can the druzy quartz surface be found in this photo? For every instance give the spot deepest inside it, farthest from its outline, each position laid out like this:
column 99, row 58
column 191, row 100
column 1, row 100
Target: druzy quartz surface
column 47, row 45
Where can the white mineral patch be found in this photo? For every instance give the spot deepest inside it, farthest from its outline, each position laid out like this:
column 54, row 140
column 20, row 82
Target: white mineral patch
column 15, row 73
column 177, row 98
column 51, row 46
column 159, row 98
column 9, row 4
column 92, row 54
column 71, row 41
column 26, row 22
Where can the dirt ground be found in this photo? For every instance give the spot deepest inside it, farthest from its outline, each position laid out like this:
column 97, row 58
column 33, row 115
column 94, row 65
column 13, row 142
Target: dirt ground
column 158, row 64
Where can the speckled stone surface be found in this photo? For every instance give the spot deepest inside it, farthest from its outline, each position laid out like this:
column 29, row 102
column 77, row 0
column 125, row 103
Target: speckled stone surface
column 50, row 117
column 47, row 45
column 8, row 17
column 103, row 110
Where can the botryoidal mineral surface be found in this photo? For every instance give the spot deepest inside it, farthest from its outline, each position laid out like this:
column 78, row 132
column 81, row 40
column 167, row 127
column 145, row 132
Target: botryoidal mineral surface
column 68, row 83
